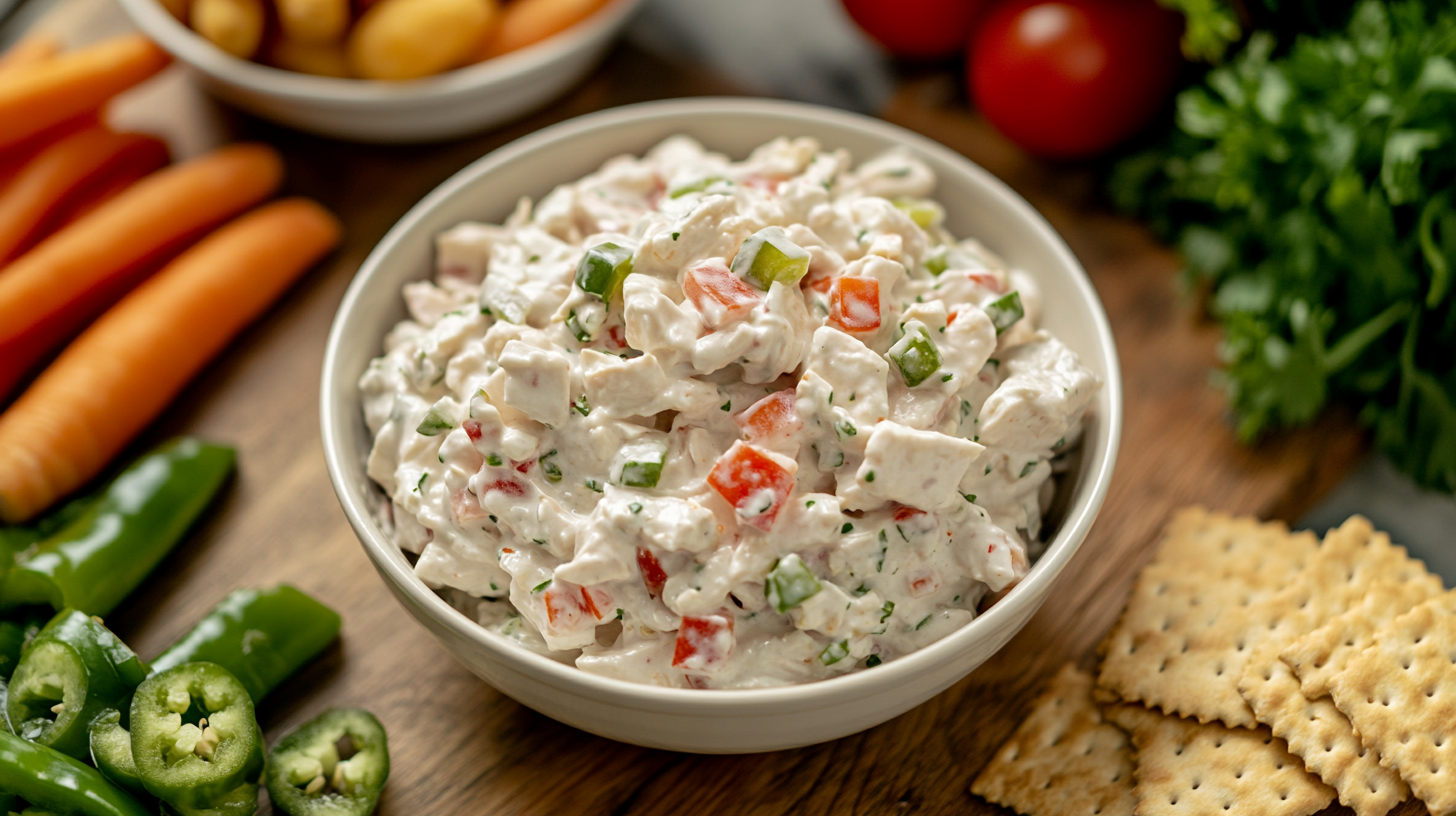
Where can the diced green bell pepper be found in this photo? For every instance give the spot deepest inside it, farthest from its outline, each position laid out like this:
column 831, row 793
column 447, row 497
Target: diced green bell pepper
column 640, row 464
column 603, row 268
column 937, row 261
column 768, row 256
column 183, row 760
column 790, row 583
column 73, row 671
column 333, row 765
column 694, row 186
column 924, row 212
column 1005, row 311
column 915, row 354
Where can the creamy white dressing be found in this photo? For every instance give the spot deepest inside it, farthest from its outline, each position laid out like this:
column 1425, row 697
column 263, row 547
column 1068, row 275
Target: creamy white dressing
column 775, row 482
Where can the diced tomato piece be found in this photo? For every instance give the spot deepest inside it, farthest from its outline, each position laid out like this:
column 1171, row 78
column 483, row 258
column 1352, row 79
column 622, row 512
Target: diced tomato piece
column 472, row 429
column 773, row 417
column 704, row 643
column 509, row 487
column 569, row 607
column 854, row 303
column 719, row 295
column 653, row 575
column 618, row 339
column 904, row 512
column 466, row 506
column 522, row 467
column 753, row 481
column 923, row 582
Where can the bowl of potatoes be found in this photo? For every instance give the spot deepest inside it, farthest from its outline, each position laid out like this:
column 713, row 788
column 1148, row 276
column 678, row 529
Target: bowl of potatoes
column 385, row 70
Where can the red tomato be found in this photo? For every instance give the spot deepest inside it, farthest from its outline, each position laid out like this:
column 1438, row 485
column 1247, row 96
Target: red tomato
column 1073, row 78
column 919, row 29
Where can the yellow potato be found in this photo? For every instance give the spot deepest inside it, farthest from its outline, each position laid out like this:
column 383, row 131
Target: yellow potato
column 313, row 21
column 527, row 22
column 319, row 59
column 408, row 39
column 235, row 26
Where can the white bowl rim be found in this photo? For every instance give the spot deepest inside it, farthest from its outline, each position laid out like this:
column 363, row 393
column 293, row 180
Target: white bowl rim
column 190, row 47
column 721, row 702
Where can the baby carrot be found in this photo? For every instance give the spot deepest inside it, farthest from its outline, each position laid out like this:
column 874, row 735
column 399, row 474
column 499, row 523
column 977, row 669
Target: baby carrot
column 123, row 370
column 39, row 96
column 62, row 170
column 527, row 22
column 30, row 50
column 94, row 196
column 67, row 279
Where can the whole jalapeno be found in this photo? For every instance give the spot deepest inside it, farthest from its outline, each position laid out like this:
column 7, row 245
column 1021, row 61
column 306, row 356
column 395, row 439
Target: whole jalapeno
column 47, row 778
column 73, row 670
column 17, row 631
column 97, row 559
column 333, row 765
column 194, row 736
column 260, row 635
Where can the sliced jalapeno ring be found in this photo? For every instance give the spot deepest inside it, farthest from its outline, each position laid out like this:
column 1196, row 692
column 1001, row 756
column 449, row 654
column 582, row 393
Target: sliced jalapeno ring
column 240, row 801
column 333, row 765
column 111, row 752
column 194, row 735
column 73, row 670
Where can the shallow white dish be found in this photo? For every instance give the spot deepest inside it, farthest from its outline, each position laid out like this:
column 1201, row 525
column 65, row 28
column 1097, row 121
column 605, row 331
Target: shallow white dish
column 737, row 721
column 440, row 107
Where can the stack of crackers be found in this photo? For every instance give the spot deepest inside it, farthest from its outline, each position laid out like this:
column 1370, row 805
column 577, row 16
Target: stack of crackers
column 1254, row 671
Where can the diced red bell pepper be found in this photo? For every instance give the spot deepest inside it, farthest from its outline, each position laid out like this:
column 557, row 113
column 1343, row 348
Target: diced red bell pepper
column 719, row 295
column 653, row 575
column 570, row 607
column 773, row 417
column 820, row 284
column 510, row 487
column 990, row 280
column 754, row 482
column 923, row 582
column 466, row 506
column 903, row 512
column 854, row 303
column 704, row 643
column 472, row 429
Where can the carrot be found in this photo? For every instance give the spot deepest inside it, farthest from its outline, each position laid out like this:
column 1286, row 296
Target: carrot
column 14, row 158
column 95, row 196
column 64, row 281
column 527, row 22
column 30, row 50
column 122, row 371
column 39, row 96
column 61, row 170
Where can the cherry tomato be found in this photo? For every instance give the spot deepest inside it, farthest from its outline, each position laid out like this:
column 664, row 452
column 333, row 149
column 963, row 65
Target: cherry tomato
column 1073, row 78
column 919, row 29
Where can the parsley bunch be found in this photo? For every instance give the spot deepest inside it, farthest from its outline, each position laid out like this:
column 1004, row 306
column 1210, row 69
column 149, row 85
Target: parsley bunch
column 1311, row 194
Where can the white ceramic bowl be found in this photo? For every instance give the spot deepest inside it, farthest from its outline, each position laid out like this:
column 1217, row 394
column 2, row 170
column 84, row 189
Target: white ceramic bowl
column 440, row 107
column 681, row 719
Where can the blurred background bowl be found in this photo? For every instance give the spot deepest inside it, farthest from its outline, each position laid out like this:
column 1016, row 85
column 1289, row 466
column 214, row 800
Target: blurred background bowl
column 738, row 721
column 451, row 104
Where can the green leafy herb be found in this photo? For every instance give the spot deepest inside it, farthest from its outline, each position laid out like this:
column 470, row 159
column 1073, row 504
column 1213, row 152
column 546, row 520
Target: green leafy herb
column 873, row 661
column 541, row 586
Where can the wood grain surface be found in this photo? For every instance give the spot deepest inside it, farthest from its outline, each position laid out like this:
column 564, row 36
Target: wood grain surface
column 458, row 746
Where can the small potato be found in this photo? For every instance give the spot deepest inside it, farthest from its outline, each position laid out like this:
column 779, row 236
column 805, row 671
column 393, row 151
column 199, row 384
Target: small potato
column 235, row 26
column 527, row 22
column 408, row 39
column 319, row 59
column 313, row 21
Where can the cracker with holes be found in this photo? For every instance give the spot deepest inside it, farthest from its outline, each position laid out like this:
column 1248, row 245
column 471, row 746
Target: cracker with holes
column 1188, row 769
column 1349, row 561
column 1320, row 655
column 1185, row 635
column 1063, row 759
column 1400, row 694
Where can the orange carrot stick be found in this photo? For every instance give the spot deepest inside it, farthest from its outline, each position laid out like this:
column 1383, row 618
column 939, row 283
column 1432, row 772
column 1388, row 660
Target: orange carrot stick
column 95, row 196
column 57, row 287
column 39, row 96
column 122, row 371
column 60, row 171
column 32, row 49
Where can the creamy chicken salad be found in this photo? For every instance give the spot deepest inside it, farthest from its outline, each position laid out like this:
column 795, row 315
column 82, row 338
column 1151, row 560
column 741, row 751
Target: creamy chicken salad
column 713, row 424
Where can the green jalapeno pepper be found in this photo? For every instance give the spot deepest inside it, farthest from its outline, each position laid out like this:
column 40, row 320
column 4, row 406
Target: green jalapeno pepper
column 194, row 737
column 73, row 670
column 111, row 751
column 48, row 778
column 260, row 635
column 240, row 801
column 16, row 632
column 100, row 556
column 333, row 765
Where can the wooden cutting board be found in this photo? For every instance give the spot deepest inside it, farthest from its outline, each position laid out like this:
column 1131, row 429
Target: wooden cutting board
column 458, row 746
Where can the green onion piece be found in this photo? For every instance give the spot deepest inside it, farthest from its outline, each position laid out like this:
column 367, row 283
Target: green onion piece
column 790, row 583
column 696, row 186
column 603, row 268
column 541, row 586
column 435, row 422
column 1027, row 469
column 924, row 212
column 846, row 528
column 1004, row 312
column 640, row 464
column 593, row 484
column 635, row 507
column 551, row 470
column 493, row 460
column 886, row 611
column 922, row 622
column 845, row 428
column 937, row 261
column 581, row 405
column 768, row 256
column 580, row 328
column 915, row 354
column 834, row 652
column 872, row 661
